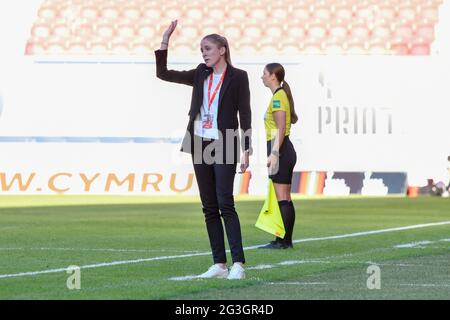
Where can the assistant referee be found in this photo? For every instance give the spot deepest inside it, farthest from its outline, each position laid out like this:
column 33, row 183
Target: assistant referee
column 281, row 154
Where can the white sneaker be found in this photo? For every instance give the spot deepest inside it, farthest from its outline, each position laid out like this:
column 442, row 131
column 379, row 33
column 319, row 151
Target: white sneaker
column 214, row 272
column 236, row 272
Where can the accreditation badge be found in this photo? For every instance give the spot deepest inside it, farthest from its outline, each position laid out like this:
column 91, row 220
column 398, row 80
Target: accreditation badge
column 208, row 121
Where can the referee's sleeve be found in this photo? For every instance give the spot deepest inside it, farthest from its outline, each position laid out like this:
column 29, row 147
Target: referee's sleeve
column 278, row 103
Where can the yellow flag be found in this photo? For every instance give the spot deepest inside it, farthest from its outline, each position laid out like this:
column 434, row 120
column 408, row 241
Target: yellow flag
column 270, row 219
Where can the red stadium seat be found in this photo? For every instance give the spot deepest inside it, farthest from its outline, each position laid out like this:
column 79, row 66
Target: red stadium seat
column 194, row 12
column 278, row 13
column 83, row 30
column 151, row 13
column 142, row 48
column 125, row 30
column 385, row 12
column 356, row 46
column 216, row 12
column 317, row 30
column 189, row 32
column 274, row 30
column 131, row 13
column 105, row 30
column 334, row 47
column 296, row 30
column 258, row 12
column 344, row 12
column 76, row 48
column 407, row 13
column 89, row 13
column 35, row 48
column 338, row 29
column 312, row 47
column 110, row 13
column 359, row 30
column 420, row 47
column 146, row 30
column 237, row 12
column 56, row 48
column 290, row 48
column 41, row 30
column 420, row 50
column 209, row 28
column 173, row 12
column 378, row 46
column 430, row 13
column 269, row 49
column 48, row 12
column 120, row 48
column 365, row 12
column 232, row 31
column 66, row 12
column 252, row 30
column 300, row 12
column 425, row 31
column 382, row 31
column 322, row 12
column 247, row 47
column 399, row 47
column 403, row 30
column 99, row 48
column 61, row 30
column 182, row 48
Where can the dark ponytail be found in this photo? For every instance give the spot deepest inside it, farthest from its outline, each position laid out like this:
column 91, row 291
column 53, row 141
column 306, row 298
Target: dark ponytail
column 287, row 89
column 278, row 70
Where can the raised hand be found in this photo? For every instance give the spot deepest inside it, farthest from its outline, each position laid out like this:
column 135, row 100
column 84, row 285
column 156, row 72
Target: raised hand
column 170, row 29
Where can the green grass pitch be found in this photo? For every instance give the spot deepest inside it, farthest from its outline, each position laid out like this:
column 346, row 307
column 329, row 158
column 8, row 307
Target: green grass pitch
column 134, row 247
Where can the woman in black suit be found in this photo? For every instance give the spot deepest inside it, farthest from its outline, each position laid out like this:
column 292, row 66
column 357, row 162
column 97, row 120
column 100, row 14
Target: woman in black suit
column 220, row 92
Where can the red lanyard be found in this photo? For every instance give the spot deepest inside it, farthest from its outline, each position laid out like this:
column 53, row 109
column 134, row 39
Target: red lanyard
column 211, row 99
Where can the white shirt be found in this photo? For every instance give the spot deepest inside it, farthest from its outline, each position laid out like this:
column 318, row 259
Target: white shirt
column 210, row 133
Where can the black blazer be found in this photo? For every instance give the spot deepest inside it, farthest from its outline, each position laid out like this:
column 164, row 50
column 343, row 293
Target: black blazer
column 234, row 98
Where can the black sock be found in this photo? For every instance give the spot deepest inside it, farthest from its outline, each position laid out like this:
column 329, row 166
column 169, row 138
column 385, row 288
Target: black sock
column 292, row 222
column 288, row 215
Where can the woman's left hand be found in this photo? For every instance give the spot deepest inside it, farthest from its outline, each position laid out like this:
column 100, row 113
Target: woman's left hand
column 245, row 161
column 272, row 164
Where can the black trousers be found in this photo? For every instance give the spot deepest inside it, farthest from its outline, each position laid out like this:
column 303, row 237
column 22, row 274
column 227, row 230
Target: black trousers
column 215, row 183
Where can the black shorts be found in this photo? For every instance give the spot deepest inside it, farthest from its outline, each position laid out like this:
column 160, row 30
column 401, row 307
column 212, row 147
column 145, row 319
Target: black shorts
column 286, row 163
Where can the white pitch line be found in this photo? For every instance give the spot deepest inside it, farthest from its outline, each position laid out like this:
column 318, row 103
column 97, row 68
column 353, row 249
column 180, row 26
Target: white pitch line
column 364, row 233
column 434, row 285
column 104, row 264
column 422, row 244
column 326, row 260
column 184, row 278
column 96, row 249
column 297, row 283
column 115, row 263
column 414, row 244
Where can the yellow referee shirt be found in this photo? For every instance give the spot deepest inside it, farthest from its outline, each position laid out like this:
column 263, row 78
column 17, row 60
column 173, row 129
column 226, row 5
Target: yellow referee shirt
column 279, row 102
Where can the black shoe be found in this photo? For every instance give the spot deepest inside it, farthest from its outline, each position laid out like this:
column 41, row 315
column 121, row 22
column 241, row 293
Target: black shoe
column 279, row 240
column 277, row 245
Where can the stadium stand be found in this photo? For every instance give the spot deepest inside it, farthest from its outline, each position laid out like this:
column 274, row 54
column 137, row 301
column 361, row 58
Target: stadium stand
column 134, row 27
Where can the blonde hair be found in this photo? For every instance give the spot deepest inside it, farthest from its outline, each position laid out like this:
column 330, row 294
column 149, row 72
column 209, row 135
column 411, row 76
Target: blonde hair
column 221, row 42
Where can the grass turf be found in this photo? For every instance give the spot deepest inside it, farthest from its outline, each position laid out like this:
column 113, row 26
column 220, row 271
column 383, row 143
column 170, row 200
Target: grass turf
column 54, row 232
